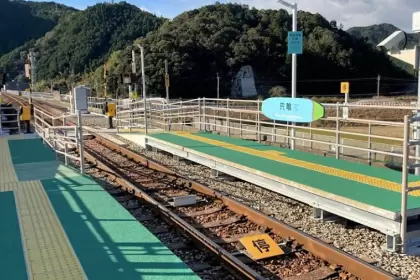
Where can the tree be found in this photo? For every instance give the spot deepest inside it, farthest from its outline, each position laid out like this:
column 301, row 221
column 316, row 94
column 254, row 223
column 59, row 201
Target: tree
column 278, row 91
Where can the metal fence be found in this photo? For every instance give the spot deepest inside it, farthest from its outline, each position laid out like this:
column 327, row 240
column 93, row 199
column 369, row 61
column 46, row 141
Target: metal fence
column 61, row 138
column 244, row 119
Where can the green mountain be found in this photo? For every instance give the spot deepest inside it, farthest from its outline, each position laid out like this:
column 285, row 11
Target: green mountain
column 22, row 21
column 374, row 34
column 83, row 40
column 222, row 38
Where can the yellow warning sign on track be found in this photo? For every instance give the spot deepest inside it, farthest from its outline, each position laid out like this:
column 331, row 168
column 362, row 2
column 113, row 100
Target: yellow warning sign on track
column 261, row 246
column 345, row 87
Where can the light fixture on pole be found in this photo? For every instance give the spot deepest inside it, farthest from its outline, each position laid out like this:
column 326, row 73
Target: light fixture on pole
column 294, row 58
column 144, row 85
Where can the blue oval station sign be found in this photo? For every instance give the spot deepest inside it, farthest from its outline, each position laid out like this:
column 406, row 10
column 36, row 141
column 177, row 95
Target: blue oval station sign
column 298, row 110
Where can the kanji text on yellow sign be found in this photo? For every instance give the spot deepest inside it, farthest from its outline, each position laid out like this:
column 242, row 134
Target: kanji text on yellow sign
column 261, row 246
column 345, row 87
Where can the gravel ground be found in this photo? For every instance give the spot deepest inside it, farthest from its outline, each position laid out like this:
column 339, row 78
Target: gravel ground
column 361, row 242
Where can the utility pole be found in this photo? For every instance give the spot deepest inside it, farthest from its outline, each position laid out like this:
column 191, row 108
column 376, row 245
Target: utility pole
column 134, row 71
column 105, row 79
column 167, row 80
column 33, row 68
column 378, row 85
column 144, row 86
column 32, row 76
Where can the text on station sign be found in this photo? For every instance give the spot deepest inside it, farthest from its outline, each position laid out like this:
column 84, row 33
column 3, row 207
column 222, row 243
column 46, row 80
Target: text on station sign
column 292, row 109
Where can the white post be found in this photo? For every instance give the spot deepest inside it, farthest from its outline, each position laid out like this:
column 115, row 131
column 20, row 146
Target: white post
column 144, row 87
column 227, row 118
column 80, row 128
column 204, row 114
column 294, row 69
column 337, row 133
column 218, row 88
column 66, row 150
column 370, row 143
column 404, row 185
column 258, row 121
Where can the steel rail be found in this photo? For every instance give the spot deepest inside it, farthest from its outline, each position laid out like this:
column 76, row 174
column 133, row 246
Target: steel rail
column 354, row 265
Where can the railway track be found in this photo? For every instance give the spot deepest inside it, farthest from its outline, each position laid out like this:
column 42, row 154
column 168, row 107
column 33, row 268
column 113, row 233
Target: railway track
column 218, row 222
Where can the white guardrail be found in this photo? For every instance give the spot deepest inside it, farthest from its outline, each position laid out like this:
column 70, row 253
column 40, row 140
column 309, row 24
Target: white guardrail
column 243, row 118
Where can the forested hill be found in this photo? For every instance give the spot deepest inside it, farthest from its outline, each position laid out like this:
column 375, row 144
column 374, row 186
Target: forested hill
column 82, row 41
column 374, row 34
column 21, row 21
column 222, row 38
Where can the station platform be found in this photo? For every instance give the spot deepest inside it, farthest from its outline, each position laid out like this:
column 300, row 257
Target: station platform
column 365, row 194
column 57, row 224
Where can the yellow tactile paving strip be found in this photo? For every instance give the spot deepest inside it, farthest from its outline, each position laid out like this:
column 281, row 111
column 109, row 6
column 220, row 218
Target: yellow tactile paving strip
column 49, row 254
column 369, row 180
column 7, row 171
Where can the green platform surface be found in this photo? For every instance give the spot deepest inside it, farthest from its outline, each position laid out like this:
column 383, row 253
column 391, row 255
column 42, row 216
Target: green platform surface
column 364, row 193
column 108, row 241
column 12, row 260
column 30, row 151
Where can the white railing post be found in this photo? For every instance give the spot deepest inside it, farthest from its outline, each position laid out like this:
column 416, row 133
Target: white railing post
column 182, row 116
column 337, row 133
column 240, row 125
column 66, row 159
column 42, row 127
column 227, row 118
column 258, row 121
column 199, row 114
column 404, row 185
column 204, row 113
column 310, row 135
column 370, row 144
column 81, row 152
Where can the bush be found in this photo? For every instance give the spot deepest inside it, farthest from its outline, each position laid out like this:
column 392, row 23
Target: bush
column 278, row 91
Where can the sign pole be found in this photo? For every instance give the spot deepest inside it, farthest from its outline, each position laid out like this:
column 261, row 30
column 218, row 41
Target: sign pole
column 294, row 70
column 295, row 47
column 144, row 87
column 345, row 89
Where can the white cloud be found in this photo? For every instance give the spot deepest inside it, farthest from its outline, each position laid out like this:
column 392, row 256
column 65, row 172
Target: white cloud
column 144, row 9
column 353, row 12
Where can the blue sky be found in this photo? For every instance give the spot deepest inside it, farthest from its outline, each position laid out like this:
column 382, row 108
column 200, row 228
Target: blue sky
column 166, row 8
column 348, row 12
